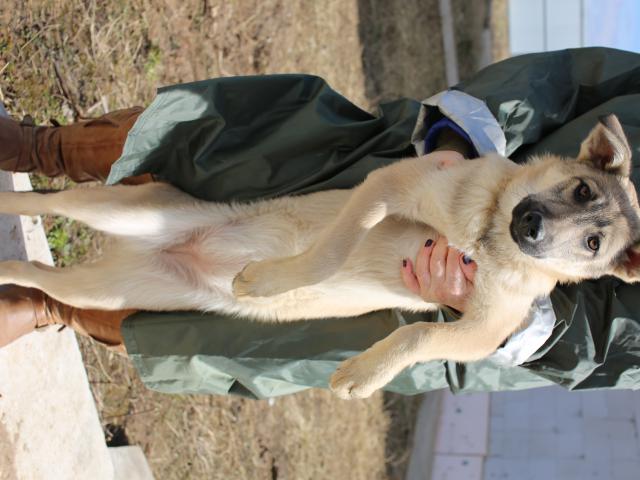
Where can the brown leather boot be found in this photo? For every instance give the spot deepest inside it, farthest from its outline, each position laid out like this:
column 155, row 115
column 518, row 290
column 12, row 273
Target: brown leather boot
column 23, row 310
column 83, row 151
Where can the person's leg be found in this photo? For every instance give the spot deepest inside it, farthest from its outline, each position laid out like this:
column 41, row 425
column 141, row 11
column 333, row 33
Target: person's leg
column 83, row 151
column 23, row 310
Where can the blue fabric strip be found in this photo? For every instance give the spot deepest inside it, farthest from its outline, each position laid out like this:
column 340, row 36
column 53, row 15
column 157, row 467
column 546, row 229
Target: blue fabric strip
column 440, row 125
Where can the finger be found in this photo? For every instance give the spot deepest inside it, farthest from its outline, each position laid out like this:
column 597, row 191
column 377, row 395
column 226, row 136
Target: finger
column 438, row 261
column 422, row 264
column 409, row 277
column 452, row 268
column 455, row 280
column 469, row 267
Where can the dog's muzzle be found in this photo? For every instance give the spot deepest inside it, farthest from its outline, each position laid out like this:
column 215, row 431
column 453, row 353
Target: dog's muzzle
column 527, row 227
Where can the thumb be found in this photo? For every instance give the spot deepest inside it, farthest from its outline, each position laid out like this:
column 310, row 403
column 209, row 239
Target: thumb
column 409, row 277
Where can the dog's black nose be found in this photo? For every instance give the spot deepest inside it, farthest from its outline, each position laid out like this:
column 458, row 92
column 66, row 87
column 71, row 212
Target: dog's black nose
column 531, row 226
column 527, row 226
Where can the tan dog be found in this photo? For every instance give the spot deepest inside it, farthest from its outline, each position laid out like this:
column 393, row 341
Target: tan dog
column 337, row 253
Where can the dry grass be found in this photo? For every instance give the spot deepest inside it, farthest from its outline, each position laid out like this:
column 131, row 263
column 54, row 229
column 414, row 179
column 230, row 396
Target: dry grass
column 402, row 48
column 68, row 59
column 305, row 436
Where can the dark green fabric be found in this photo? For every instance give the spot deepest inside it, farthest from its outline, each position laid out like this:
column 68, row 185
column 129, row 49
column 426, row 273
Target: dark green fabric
column 198, row 353
column 549, row 101
column 253, row 137
column 243, row 138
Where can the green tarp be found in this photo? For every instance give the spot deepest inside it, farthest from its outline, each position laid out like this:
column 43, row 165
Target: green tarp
column 244, row 138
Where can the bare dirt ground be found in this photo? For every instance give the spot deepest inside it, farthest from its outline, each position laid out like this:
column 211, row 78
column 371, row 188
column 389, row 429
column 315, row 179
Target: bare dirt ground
column 68, row 59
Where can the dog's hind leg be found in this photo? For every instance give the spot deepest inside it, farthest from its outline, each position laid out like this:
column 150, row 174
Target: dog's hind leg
column 120, row 210
column 109, row 284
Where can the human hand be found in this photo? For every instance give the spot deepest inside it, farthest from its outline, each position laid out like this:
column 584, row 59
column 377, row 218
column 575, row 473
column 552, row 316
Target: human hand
column 442, row 274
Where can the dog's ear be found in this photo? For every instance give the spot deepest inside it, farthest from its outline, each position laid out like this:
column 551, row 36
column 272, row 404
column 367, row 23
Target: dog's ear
column 628, row 265
column 607, row 148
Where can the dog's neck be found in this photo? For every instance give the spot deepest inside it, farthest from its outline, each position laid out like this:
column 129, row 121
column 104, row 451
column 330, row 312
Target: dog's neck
column 476, row 208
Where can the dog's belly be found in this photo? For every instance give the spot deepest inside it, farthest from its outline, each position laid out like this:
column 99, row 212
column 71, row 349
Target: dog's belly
column 208, row 260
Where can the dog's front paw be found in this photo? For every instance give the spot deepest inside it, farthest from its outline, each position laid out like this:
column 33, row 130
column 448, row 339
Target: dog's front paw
column 249, row 282
column 360, row 376
column 259, row 279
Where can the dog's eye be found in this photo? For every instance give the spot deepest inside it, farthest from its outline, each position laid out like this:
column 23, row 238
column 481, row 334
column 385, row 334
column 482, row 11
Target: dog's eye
column 593, row 243
column 582, row 193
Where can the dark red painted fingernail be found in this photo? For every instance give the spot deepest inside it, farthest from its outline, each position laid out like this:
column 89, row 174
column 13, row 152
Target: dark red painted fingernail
column 428, row 243
column 466, row 260
column 404, row 263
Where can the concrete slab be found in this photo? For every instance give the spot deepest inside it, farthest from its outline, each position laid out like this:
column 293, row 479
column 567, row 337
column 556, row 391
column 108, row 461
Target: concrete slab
column 421, row 462
column 129, row 463
column 592, row 434
column 49, row 427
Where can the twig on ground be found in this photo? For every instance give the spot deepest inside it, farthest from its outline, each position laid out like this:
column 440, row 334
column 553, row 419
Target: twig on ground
column 130, row 414
column 65, row 93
